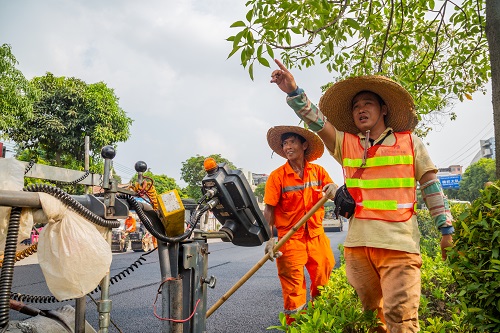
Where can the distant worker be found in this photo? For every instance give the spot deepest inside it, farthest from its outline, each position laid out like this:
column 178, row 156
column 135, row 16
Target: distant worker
column 291, row 191
column 130, row 224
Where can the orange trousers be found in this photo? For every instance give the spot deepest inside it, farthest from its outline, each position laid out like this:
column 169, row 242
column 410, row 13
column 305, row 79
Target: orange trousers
column 387, row 281
column 315, row 254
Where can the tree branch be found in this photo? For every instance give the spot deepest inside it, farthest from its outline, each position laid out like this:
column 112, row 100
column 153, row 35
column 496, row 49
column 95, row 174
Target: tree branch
column 313, row 33
column 389, row 24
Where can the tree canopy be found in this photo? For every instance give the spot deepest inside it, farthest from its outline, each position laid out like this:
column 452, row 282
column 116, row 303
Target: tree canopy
column 259, row 191
column 192, row 172
column 162, row 183
column 436, row 49
column 474, row 179
column 14, row 89
column 65, row 110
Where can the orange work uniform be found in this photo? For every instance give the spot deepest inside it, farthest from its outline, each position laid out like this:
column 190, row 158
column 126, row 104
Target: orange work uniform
column 130, row 224
column 292, row 197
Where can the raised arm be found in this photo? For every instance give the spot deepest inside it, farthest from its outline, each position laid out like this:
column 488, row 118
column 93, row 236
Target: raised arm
column 303, row 107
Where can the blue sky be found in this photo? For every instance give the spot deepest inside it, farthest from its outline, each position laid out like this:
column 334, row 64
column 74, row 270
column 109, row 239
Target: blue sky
column 166, row 61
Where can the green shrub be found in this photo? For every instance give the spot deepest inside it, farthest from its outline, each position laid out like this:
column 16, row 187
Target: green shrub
column 337, row 310
column 475, row 260
column 429, row 234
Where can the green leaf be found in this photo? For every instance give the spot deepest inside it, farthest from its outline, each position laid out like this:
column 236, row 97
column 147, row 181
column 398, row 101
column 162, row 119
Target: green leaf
column 270, row 51
column 249, row 15
column 352, row 23
column 263, row 61
column 233, row 51
column 250, row 71
column 238, row 24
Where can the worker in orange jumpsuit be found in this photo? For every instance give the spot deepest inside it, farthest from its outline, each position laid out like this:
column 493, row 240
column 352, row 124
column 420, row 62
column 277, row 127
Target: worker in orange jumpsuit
column 130, row 224
column 291, row 191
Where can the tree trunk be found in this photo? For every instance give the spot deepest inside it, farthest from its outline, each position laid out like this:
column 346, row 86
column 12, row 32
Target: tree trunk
column 493, row 36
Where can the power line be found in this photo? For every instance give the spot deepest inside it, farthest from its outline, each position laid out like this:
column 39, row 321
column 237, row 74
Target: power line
column 123, row 168
column 472, row 142
column 469, row 155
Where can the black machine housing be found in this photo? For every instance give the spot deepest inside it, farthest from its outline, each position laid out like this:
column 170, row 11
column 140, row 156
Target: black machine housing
column 237, row 210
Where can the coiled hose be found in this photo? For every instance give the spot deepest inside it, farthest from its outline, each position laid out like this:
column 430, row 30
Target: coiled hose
column 24, row 253
column 118, row 277
column 8, row 265
column 149, row 225
column 51, row 299
column 69, row 201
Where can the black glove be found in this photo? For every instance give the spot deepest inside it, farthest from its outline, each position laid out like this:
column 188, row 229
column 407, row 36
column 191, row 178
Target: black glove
column 344, row 203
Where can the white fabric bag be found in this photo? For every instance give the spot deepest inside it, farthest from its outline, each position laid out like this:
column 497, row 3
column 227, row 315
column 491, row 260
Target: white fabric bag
column 12, row 179
column 73, row 255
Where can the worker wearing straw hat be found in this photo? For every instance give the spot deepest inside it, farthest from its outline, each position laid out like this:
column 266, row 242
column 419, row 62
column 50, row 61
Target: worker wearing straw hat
column 291, row 191
column 366, row 123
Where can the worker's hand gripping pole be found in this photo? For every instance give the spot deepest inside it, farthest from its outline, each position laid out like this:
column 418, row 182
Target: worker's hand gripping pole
column 267, row 257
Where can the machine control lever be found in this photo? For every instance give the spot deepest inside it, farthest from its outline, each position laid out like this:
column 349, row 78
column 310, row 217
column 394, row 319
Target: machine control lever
column 211, row 281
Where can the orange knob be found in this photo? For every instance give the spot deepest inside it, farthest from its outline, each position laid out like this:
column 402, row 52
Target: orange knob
column 209, row 164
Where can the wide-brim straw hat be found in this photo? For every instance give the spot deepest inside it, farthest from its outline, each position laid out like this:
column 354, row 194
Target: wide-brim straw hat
column 315, row 147
column 336, row 103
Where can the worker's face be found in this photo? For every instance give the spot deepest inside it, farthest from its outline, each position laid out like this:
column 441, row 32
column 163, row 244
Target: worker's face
column 367, row 112
column 294, row 149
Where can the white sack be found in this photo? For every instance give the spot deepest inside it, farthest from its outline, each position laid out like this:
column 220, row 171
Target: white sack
column 12, row 179
column 73, row 255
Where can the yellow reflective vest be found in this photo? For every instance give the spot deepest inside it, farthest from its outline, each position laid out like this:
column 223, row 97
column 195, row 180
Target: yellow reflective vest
column 385, row 187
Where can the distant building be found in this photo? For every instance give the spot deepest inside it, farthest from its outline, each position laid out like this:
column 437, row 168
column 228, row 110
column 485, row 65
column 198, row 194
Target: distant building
column 259, row 178
column 450, row 177
column 248, row 176
column 487, row 150
column 451, row 170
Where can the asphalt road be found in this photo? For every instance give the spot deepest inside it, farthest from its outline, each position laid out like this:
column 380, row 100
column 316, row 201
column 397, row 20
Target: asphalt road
column 252, row 308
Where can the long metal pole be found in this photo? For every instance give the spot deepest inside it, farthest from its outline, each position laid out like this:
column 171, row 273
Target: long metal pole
column 80, row 303
column 104, row 304
column 267, row 257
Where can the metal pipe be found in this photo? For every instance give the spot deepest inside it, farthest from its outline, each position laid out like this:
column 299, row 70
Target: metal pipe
column 165, row 272
column 80, row 307
column 19, row 199
column 104, row 306
column 201, row 234
column 80, row 303
column 175, row 294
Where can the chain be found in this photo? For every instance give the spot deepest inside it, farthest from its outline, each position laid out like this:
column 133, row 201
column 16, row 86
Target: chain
column 29, row 166
column 74, row 182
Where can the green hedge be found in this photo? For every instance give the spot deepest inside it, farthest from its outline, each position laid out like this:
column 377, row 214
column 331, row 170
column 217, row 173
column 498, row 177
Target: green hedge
column 475, row 260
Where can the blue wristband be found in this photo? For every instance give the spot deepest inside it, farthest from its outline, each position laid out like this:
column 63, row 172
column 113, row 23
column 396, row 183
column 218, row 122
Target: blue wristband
column 447, row 230
column 296, row 92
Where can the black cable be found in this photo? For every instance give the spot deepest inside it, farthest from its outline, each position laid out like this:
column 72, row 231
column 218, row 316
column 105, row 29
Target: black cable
column 8, row 265
column 69, row 201
column 51, row 299
column 149, row 225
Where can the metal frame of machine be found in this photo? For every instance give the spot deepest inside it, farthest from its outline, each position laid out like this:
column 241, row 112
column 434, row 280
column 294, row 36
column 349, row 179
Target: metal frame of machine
column 183, row 257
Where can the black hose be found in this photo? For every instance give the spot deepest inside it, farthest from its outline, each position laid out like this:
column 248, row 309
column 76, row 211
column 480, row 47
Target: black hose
column 51, row 299
column 69, row 201
column 126, row 272
column 149, row 225
column 9, row 260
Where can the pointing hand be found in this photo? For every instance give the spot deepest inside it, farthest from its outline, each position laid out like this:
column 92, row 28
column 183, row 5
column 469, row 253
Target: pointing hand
column 283, row 78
